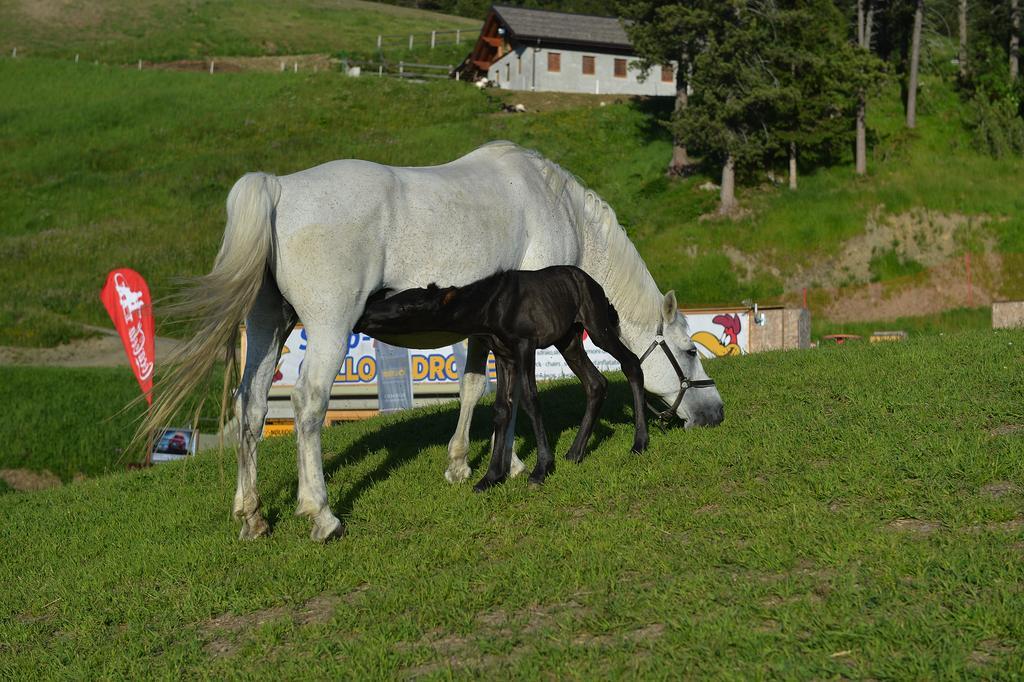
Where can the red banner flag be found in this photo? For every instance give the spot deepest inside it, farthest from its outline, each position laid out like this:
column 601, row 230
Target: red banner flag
column 126, row 298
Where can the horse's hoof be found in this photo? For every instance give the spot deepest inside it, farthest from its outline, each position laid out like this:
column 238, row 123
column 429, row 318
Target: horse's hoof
column 517, row 467
column 574, row 456
column 535, row 481
column 254, row 527
column 329, row 529
column 639, row 447
column 457, row 472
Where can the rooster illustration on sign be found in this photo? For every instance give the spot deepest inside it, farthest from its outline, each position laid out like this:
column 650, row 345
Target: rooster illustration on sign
column 728, row 342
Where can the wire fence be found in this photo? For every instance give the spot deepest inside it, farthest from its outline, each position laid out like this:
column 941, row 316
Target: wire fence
column 455, row 36
column 400, row 69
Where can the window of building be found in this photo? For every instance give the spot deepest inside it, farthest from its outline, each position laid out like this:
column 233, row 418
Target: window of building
column 620, row 68
column 508, row 72
column 588, row 65
column 519, row 64
column 554, row 61
column 667, row 76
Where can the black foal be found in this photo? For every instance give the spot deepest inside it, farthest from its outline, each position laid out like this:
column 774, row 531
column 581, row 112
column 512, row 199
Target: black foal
column 519, row 312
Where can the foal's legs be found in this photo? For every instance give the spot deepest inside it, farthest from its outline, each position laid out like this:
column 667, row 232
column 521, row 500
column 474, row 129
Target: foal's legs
column 607, row 339
column 498, row 470
column 326, row 349
column 528, row 386
column 594, row 385
column 267, row 327
column 472, row 386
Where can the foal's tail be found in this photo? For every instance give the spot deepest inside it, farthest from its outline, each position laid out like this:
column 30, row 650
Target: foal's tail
column 219, row 300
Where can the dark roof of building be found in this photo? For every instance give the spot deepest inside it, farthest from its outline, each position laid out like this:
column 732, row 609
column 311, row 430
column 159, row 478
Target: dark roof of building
column 537, row 24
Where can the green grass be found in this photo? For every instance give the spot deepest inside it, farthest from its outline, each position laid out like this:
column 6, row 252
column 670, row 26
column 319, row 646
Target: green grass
column 763, row 548
column 160, row 30
column 70, row 420
column 890, row 265
column 958, row 319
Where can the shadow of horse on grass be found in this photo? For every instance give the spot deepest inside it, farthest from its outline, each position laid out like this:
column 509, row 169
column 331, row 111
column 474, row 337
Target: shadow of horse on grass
column 562, row 405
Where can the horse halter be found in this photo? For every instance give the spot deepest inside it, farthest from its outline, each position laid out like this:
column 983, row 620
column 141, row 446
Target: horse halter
column 666, row 416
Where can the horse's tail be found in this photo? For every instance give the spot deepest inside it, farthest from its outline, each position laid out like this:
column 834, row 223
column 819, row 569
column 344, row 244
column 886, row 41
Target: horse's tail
column 219, row 300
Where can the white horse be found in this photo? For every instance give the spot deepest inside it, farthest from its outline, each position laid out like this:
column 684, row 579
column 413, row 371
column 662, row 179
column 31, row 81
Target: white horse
column 314, row 245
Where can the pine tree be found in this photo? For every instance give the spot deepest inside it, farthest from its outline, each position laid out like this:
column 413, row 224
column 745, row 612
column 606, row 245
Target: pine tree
column 665, row 32
column 736, row 97
column 819, row 75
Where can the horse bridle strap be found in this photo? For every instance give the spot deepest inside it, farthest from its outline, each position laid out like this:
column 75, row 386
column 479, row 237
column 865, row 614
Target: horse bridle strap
column 665, row 417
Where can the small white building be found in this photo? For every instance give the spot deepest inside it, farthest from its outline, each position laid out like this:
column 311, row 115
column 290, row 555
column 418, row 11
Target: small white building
column 532, row 49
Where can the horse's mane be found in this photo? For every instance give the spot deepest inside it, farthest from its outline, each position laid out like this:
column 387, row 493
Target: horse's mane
column 621, row 272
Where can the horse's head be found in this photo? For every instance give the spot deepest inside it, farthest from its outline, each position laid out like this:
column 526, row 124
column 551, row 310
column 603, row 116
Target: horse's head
column 674, row 375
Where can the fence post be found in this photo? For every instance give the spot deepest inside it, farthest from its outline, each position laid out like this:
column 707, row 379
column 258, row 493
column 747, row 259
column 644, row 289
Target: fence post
column 380, row 71
column 378, row 40
column 295, row 67
column 140, row 65
column 433, row 39
column 76, row 59
column 401, row 68
column 458, row 35
column 212, row 62
column 14, row 52
column 282, row 67
column 410, row 41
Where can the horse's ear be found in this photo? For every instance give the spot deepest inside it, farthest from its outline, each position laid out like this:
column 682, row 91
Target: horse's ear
column 669, row 307
column 448, row 296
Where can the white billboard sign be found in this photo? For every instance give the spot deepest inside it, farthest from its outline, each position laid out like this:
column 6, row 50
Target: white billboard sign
column 716, row 333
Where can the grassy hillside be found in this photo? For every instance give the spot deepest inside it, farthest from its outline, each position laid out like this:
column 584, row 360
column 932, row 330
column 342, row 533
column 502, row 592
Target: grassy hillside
column 117, row 167
column 159, row 30
column 843, row 522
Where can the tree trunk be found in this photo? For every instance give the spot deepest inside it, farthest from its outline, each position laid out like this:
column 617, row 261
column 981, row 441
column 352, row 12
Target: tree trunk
column 860, row 23
column 680, row 159
column 1014, row 39
column 727, row 197
column 915, row 59
column 962, row 54
column 792, row 165
column 867, row 25
column 862, row 137
column 864, row 22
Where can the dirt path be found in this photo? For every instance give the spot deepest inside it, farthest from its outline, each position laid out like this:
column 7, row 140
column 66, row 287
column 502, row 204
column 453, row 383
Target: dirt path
column 101, row 351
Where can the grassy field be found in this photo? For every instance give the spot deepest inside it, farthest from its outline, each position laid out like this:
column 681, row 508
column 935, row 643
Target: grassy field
column 71, row 420
column 106, row 179
column 119, row 31
column 844, row 521
column 958, row 319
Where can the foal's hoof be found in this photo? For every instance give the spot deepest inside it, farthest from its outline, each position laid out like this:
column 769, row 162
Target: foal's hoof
column 486, row 483
column 573, row 456
column 254, row 527
column 540, row 473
